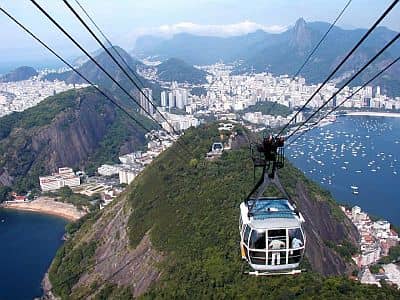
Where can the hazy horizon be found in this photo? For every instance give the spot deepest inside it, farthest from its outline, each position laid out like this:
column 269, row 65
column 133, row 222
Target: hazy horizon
column 130, row 20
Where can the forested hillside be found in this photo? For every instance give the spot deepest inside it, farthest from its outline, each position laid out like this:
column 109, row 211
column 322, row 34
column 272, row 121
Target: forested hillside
column 174, row 234
column 78, row 128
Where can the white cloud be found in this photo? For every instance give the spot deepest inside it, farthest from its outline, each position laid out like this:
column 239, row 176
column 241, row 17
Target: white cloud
column 209, row 30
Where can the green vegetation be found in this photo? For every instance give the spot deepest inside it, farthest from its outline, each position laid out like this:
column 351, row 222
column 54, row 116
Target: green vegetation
column 74, row 257
column 344, row 249
column 39, row 115
column 65, row 194
column 25, row 155
column 5, row 193
column 113, row 291
column 375, row 268
column 177, row 70
column 269, row 108
column 190, row 209
column 121, row 131
column 74, row 262
column 394, row 255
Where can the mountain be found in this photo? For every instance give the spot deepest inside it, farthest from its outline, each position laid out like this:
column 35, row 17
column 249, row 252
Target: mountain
column 174, row 235
column 77, row 128
column 200, row 50
column 19, row 74
column 175, row 69
column 94, row 74
column 284, row 53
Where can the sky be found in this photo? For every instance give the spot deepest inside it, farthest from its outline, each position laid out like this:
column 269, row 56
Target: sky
column 124, row 20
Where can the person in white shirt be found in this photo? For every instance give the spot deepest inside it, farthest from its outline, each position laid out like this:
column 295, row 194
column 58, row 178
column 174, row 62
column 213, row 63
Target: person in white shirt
column 296, row 243
column 276, row 256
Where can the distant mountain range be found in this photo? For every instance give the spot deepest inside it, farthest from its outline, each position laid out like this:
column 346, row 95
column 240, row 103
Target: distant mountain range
column 283, row 53
column 175, row 69
column 19, row 74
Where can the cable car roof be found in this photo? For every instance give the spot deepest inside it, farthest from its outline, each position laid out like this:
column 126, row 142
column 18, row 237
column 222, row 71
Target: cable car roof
column 268, row 213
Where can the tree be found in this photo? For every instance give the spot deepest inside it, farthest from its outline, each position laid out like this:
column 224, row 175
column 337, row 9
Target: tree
column 5, row 193
column 65, row 192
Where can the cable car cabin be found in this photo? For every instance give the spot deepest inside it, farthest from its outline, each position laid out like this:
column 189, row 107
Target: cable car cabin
column 216, row 151
column 272, row 238
column 217, row 148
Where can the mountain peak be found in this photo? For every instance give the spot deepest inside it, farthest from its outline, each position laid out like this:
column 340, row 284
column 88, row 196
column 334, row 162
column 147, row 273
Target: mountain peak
column 300, row 23
column 301, row 39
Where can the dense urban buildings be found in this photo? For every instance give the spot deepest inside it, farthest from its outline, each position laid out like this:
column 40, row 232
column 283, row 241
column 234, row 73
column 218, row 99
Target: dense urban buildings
column 21, row 95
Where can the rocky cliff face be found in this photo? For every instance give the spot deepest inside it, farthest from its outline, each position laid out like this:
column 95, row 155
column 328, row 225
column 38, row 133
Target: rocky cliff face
column 321, row 226
column 116, row 263
column 72, row 135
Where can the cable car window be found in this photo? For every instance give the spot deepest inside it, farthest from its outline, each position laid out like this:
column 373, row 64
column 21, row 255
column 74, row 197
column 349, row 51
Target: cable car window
column 277, row 239
column 257, row 240
column 296, row 240
column 246, row 234
column 257, row 257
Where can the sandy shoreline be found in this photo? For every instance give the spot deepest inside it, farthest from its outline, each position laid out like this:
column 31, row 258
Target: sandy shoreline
column 374, row 114
column 46, row 205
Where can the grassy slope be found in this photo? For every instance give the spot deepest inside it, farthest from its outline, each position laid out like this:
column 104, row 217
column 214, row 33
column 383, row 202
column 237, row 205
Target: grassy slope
column 193, row 216
column 192, row 213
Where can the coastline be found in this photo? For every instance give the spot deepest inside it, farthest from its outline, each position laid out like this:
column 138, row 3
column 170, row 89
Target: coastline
column 374, row 114
column 48, row 206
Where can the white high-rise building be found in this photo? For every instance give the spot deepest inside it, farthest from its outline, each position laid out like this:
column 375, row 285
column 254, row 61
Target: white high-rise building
column 184, row 97
column 147, row 107
column 164, row 102
column 368, row 91
column 179, row 99
column 378, row 91
column 126, row 176
column 171, row 100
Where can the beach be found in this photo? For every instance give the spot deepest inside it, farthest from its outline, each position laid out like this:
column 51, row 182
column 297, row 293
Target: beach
column 47, row 205
column 374, row 114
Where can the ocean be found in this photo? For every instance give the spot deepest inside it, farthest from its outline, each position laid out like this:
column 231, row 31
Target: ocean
column 355, row 153
column 28, row 243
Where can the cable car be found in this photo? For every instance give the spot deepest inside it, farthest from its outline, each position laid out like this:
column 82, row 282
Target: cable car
column 217, row 148
column 272, row 239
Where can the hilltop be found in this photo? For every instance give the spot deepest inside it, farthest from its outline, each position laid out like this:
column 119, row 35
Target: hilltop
column 19, row 74
column 77, row 128
column 174, row 234
column 175, row 69
column 97, row 76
